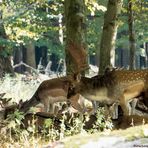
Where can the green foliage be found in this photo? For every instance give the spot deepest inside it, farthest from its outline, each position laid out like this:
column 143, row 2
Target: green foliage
column 8, row 45
column 39, row 21
column 103, row 122
column 16, row 117
column 34, row 20
column 140, row 23
column 48, row 123
column 14, row 121
column 95, row 14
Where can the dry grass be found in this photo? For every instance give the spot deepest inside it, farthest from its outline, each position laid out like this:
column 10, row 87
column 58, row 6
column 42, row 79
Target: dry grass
column 16, row 88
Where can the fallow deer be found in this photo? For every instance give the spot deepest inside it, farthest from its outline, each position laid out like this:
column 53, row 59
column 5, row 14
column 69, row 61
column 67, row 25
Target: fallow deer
column 116, row 86
column 50, row 92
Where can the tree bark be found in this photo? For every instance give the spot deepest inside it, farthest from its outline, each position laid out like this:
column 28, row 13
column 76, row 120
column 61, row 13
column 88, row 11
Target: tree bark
column 146, row 48
column 107, row 45
column 30, row 55
column 75, row 48
column 132, row 41
column 5, row 61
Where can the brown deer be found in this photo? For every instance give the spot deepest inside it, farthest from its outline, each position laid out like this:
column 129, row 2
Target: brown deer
column 50, row 92
column 116, row 86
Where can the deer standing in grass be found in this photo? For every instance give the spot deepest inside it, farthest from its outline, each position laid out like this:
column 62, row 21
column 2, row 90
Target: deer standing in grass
column 116, row 86
column 50, row 92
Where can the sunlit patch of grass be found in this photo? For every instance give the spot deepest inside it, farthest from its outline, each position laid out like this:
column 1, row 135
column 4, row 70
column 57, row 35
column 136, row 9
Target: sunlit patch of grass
column 129, row 134
column 16, row 88
column 132, row 132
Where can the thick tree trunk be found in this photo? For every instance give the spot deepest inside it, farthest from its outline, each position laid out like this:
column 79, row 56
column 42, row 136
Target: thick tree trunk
column 19, row 55
column 132, row 42
column 107, row 45
column 76, row 56
column 5, row 63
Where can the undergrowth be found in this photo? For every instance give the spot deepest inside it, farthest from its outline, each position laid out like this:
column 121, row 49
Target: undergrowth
column 15, row 134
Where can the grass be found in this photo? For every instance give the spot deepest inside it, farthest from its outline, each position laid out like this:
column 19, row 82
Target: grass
column 17, row 88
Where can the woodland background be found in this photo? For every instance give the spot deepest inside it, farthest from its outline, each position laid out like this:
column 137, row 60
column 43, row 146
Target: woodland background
column 34, row 32
column 42, row 39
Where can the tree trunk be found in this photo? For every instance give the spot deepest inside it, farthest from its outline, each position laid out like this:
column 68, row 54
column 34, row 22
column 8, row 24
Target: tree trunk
column 30, row 55
column 132, row 42
column 76, row 55
column 146, row 48
column 107, row 45
column 5, row 62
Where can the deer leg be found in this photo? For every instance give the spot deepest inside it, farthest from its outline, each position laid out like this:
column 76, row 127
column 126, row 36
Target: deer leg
column 124, row 105
column 51, row 107
column 81, row 101
column 114, row 110
column 129, row 106
column 129, row 93
column 48, row 104
column 46, row 107
column 132, row 105
column 95, row 105
column 77, row 102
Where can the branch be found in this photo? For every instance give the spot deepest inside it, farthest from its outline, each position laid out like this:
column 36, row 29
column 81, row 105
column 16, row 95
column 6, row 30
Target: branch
column 24, row 64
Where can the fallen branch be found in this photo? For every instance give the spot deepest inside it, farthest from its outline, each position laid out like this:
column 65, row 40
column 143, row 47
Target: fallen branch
column 24, row 64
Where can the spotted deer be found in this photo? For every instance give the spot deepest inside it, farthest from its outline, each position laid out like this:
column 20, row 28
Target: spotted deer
column 115, row 87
